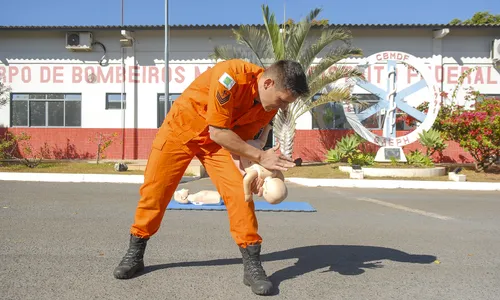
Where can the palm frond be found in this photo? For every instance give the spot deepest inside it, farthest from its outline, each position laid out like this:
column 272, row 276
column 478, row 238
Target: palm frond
column 284, row 130
column 252, row 38
column 337, row 73
column 331, row 59
column 327, row 38
column 227, row 52
column 337, row 94
column 300, row 106
column 255, row 39
column 300, row 31
column 274, row 34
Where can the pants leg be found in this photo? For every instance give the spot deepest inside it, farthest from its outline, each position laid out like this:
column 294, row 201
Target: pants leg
column 229, row 183
column 166, row 165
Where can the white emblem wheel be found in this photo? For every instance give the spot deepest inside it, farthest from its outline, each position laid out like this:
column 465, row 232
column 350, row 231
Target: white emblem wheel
column 393, row 98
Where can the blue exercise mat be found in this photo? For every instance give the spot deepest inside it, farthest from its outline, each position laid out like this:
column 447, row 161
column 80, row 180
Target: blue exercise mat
column 259, row 206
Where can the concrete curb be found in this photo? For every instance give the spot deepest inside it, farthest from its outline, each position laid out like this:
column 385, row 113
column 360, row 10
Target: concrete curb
column 396, row 184
column 79, row 178
column 310, row 182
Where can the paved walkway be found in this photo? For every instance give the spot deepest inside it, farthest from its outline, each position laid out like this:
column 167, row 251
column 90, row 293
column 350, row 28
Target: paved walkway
column 62, row 241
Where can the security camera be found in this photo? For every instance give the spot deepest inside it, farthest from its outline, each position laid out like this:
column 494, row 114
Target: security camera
column 127, row 34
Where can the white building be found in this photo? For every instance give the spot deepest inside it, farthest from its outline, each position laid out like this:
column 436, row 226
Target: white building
column 61, row 95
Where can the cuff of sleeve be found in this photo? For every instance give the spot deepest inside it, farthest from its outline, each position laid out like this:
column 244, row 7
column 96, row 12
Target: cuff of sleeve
column 221, row 123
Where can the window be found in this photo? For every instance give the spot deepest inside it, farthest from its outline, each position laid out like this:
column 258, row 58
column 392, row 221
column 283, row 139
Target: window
column 161, row 106
column 375, row 121
column 46, row 110
column 113, row 101
column 331, row 115
column 488, row 96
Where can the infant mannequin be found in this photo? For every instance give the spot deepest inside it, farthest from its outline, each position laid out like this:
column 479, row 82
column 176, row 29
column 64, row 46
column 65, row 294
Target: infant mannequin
column 274, row 188
column 200, row 198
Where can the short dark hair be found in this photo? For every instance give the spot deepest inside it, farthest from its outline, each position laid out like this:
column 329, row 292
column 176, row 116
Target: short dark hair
column 289, row 75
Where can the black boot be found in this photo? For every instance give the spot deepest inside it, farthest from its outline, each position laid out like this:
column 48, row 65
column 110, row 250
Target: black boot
column 253, row 274
column 133, row 261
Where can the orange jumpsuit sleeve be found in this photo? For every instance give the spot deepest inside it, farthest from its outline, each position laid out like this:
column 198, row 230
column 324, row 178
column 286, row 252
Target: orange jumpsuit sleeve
column 221, row 97
column 249, row 131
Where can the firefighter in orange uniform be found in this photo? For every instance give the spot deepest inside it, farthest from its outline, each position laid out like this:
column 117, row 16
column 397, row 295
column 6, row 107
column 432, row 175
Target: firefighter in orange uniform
column 226, row 105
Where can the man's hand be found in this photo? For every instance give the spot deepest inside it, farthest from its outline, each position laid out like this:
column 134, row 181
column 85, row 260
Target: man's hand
column 271, row 160
column 233, row 143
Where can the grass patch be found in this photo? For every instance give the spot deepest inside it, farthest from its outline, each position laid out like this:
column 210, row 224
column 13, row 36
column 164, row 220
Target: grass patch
column 316, row 171
column 331, row 171
column 68, row 167
column 72, row 167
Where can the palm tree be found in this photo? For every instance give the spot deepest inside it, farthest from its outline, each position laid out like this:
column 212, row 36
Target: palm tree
column 263, row 46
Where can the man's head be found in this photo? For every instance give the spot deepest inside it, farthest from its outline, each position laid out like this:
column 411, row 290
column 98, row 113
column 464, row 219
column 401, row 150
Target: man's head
column 281, row 84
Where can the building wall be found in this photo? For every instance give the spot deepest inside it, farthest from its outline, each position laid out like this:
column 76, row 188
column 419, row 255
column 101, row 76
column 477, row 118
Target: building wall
column 37, row 62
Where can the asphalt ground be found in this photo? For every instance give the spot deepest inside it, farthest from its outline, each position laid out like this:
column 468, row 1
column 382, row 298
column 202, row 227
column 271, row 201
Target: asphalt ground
column 63, row 240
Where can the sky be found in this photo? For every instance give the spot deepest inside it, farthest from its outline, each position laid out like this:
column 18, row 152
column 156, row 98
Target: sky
column 186, row 12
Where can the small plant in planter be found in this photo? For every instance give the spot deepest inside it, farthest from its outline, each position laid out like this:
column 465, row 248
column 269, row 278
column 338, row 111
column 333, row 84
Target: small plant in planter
column 419, row 159
column 347, row 150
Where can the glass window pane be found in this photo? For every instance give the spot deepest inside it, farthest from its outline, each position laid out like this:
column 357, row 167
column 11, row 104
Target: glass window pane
column 20, row 97
column 172, row 97
column 161, row 106
column 73, row 113
column 37, row 113
column 329, row 116
column 161, row 109
column 56, row 113
column 19, row 113
column 73, row 97
column 116, row 97
column 55, row 96
column 115, row 105
column 37, row 96
column 113, row 101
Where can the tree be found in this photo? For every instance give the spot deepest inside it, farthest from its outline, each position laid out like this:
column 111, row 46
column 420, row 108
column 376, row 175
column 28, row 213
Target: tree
column 4, row 94
column 476, row 130
column 289, row 41
column 482, row 17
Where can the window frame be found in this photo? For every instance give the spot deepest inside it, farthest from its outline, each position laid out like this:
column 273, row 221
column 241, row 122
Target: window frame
column 106, row 100
column 160, row 119
column 346, row 125
column 79, row 98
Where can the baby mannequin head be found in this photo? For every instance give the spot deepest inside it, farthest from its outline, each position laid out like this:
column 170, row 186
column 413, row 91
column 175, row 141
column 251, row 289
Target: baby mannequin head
column 274, row 190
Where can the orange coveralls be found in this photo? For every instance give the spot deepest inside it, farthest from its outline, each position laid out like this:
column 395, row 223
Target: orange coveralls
column 223, row 96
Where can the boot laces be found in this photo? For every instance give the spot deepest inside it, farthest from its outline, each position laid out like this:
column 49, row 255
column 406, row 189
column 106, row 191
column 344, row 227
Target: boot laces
column 256, row 270
column 132, row 255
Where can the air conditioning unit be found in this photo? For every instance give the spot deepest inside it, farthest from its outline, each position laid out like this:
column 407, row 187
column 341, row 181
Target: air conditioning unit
column 495, row 49
column 79, row 41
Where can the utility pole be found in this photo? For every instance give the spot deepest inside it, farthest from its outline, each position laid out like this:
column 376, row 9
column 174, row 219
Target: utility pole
column 167, row 102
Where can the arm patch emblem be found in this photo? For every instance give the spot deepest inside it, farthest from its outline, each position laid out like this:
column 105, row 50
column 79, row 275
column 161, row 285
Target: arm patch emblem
column 223, row 98
column 227, row 81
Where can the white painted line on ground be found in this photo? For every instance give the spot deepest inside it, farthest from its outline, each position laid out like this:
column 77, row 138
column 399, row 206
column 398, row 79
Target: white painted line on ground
column 408, row 209
column 396, row 184
column 63, row 177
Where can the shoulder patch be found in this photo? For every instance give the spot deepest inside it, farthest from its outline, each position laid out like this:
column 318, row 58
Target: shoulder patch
column 224, row 97
column 227, row 81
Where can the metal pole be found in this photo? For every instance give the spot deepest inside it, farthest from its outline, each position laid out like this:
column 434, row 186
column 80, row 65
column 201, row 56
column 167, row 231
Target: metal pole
column 167, row 102
column 123, row 92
